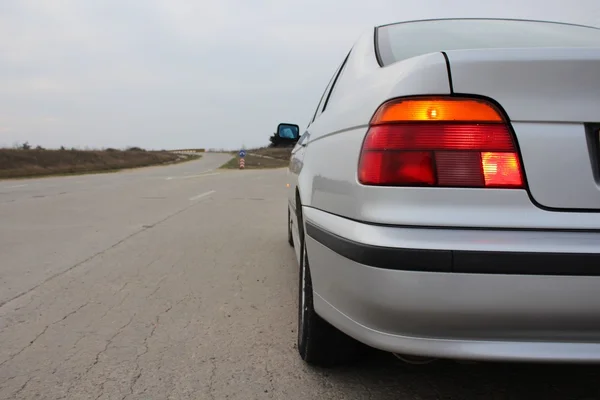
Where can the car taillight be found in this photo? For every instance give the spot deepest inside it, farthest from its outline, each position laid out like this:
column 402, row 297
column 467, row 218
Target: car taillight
column 450, row 142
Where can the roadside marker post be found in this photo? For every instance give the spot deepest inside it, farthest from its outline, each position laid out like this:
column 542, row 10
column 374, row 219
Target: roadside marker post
column 242, row 161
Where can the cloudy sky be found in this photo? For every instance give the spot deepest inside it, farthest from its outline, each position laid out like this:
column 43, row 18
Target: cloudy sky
column 193, row 73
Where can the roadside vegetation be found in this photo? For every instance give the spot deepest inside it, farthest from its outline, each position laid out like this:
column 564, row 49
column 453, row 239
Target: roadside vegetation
column 27, row 161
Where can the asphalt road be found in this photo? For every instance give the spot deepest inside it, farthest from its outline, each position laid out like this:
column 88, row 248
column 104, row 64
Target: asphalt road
column 178, row 283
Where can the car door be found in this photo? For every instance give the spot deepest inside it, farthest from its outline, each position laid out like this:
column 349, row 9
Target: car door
column 297, row 157
column 296, row 160
column 299, row 152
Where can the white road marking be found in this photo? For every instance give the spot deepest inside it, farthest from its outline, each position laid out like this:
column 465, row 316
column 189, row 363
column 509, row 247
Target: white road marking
column 15, row 186
column 188, row 173
column 202, row 195
column 192, row 176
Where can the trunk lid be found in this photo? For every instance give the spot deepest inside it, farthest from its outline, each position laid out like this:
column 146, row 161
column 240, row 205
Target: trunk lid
column 552, row 98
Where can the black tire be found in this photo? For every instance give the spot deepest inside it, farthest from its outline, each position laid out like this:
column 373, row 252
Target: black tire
column 319, row 343
column 289, row 224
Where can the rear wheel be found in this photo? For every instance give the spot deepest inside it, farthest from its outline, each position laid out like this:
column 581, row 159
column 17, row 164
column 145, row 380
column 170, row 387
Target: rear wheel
column 319, row 343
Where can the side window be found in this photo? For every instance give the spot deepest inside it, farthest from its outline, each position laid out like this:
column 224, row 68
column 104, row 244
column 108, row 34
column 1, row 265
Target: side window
column 325, row 95
column 337, row 82
column 337, row 76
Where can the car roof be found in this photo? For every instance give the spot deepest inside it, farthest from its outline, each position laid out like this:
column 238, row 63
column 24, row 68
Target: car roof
column 486, row 19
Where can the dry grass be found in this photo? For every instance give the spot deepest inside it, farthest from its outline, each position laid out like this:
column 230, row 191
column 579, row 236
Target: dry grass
column 29, row 163
column 264, row 157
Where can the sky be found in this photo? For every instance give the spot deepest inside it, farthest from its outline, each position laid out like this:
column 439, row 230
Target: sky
column 169, row 74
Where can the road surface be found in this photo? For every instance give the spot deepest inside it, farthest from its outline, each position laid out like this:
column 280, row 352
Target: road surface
column 178, row 283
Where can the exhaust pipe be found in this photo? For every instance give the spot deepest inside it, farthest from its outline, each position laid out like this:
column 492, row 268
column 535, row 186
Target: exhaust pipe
column 414, row 360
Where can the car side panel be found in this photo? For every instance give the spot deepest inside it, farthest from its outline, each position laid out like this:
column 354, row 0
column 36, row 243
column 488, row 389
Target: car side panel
column 295, row 167
column 328, row 178
column 331, row 168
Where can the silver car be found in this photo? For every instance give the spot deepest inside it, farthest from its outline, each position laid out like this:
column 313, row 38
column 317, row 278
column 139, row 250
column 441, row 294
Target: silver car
column 444, row 201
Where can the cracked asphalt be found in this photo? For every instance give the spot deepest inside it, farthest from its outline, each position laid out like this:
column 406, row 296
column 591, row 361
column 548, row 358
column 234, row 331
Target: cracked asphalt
column 178, row 283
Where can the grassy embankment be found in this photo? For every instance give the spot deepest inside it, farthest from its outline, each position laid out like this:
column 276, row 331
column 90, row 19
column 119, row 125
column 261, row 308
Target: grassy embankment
column 23, row 163
column 264, row 157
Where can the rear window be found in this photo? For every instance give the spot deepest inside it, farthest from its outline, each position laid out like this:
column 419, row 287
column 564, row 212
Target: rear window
column 405, row 40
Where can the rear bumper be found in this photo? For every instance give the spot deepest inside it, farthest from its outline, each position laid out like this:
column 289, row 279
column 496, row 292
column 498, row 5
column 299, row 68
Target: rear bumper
column 459, row 261
column 492, row 295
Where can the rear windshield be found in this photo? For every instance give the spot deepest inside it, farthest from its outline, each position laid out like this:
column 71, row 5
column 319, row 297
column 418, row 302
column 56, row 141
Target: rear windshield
column 404, row 40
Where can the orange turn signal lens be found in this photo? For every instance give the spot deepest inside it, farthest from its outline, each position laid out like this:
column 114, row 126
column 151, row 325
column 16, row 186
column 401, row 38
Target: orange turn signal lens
column 436, row 109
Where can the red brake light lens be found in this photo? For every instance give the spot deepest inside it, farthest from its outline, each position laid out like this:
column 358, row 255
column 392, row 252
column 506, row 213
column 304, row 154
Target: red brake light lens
column 439, row 136
column 450, row 142
column 412, row 167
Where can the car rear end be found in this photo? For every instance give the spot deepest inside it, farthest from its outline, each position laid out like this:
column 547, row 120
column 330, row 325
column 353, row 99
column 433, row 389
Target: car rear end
column 473, row 228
